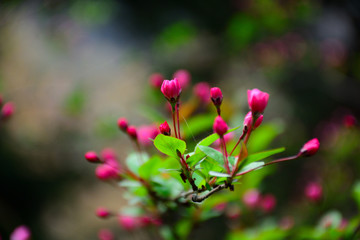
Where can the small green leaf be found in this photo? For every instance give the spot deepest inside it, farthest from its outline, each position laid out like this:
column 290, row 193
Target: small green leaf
column 129, row 183
column 252, row 166
column 150, row 168
column 213, row 154
column 261, row 155
column 211, row 138
column 168, row 145
column 219, row 174
column 135, row 160
column 195, row 158
column 356, row 193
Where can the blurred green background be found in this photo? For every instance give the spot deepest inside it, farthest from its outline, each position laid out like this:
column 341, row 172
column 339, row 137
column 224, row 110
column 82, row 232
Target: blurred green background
column 73, row 67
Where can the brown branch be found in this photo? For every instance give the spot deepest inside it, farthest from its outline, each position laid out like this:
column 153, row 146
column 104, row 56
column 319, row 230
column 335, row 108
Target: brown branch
column 197, row 198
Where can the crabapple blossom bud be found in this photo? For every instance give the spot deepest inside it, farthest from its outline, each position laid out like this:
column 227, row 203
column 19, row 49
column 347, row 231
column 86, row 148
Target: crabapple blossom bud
column 310, row 148
column 102, row 212
column 146, row 133
column 92, row 157
column 7, row 110
column 156, row 80
column 220, row 127
column 131, row 131
column 216, row 96
column 202, row 92
column 257, row 100
column 171, row 90
column 349, row 121
column 248, row 120
column 128, row 222
column 105, row 234
column 106, row 172
column 123, row 124
column 251, row 198
column 165, row 128
column 184, row 77
column 313, row 192
column 268, row 203
column 21, row 233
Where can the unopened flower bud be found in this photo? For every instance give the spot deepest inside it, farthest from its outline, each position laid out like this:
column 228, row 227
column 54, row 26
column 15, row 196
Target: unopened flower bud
column 131, row 131
column 92, row 157
column 171, row 90
column 156, row 80
column 268, row 203
column 123, row 124
column 7, row 110
column 202, row 92
column 165, row 128
column 106, row 172
column 21, row 233
column 105, row 234
column 102, row 212
column 257, row 100
column 184, row 78
column 313, row 192
column 248, row 120
column 128, row 222
column 310, row 148
column 216, row 96
column 220, row 127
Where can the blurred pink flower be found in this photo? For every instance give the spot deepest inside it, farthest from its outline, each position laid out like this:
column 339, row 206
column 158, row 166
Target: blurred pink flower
column 102, row 212
column 8, row 110
column 146, row 133
column 268, row 203
column 106, row 172
column 184, row 77
column 349, row 121
column 202, row 92
column 128, row 222
column 313, row 191
column 251, row 198
column 21, row 233
column 105, row 234
column 91, row 156
column 156, row 80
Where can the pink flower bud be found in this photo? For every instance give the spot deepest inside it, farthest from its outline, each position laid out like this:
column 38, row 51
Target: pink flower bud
column 102, row 212
column 123, row 124
column 171, row 90
column 156, row 80
column 92, row 157
column 220, row 127
column 268, row 203
column 202, row 92
column 128, row 222
column 216, row 96
column 21, row 233
column 7, row 110
column 257, row 100
column 349, row 121
column 110, row 158
column 248, row 120
column 310, row 148
column 146, row 134
column 251, row 198
column 184, row 77
column 105, row 234
column 106, row 172
column 131, row 131
column 165, row 128
column 313, row 192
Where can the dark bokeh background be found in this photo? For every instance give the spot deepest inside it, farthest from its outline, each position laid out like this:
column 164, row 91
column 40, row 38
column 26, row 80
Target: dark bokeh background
column 73, row 67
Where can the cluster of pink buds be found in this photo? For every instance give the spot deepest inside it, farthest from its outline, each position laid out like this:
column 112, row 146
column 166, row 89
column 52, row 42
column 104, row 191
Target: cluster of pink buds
column 7, row 109
column 108, row 168
column 253, row 199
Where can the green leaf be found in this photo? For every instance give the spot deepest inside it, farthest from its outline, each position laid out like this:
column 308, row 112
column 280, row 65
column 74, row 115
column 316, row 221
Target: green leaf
column 213, row 154
column 129, row 183
column 356, row 193
column 251, row 166
column 150, row 168
column 168, row 145
column 211, row 138
column 219, row 174
column 195, row 158
column 264, row 135
column 261, row 155
column 135, row 160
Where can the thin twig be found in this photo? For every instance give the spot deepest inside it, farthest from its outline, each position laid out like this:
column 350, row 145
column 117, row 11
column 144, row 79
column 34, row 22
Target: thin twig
column 197, row 198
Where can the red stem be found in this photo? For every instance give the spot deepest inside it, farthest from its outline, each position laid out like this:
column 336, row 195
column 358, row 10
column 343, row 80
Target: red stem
column 226, row 161
column 245, row 130
column 178, row 120
column 173, row 116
